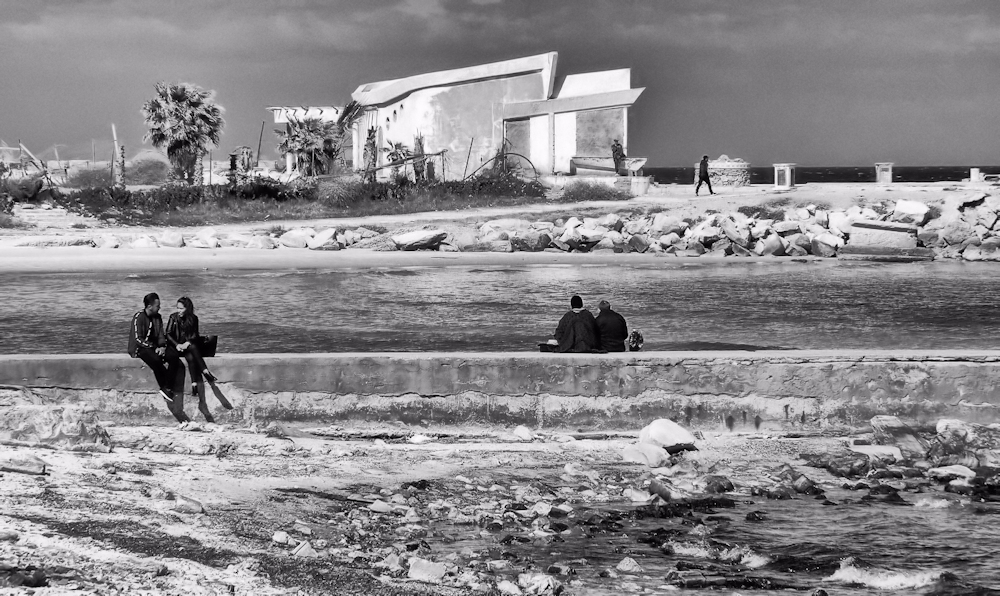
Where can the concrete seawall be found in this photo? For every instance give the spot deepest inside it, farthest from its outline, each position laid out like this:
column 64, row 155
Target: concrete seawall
column 744, row 390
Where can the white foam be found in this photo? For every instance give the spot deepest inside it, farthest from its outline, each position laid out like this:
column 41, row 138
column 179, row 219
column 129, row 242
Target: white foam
column 933, row 503
column 882, row 579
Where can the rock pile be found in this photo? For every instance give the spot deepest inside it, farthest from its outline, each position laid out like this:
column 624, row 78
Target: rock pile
column 966, row 227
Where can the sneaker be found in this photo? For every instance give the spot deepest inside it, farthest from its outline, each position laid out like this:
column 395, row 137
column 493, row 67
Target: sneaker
column 209, row 376
column 167, row 395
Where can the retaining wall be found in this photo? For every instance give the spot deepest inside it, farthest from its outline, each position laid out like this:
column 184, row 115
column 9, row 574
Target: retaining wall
column 743, row 390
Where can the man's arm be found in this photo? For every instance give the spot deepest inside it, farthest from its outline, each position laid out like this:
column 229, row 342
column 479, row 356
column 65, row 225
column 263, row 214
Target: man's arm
column 141, row 323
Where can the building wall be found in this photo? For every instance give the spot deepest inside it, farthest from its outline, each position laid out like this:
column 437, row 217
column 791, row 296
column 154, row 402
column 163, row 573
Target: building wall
column 565, row 141
column 453, row 118
column 597, row 129
column 541, row 149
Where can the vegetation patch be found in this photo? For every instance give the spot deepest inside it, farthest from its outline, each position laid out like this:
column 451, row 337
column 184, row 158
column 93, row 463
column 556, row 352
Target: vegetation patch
column 579, row 192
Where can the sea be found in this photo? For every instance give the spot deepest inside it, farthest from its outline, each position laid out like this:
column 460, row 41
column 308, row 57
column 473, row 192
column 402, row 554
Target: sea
column 807, row 174
column 676, row 304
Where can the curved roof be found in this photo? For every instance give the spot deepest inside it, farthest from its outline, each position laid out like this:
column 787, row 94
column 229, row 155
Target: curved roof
column 383, row 92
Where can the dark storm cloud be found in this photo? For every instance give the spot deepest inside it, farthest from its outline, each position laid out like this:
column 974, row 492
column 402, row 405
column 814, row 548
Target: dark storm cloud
column 811, row 81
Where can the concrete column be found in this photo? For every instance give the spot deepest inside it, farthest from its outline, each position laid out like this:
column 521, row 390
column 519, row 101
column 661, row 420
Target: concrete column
column 883, row 172
column 289, row 161
column 974, row 175
column 784, row 176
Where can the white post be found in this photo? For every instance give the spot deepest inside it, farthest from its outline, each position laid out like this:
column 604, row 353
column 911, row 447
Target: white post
column 784, row 176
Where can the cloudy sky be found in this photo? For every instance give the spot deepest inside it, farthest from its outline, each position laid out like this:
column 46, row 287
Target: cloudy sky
column 818, row 82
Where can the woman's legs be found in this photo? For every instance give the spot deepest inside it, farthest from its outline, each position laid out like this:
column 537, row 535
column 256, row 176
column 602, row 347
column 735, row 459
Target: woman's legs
column 196, row 366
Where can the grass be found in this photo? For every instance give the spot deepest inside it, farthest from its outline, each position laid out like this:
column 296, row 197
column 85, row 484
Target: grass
column 579, row 192
column 148, row 171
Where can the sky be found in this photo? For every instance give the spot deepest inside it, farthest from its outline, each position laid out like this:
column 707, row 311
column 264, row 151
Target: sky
column 815, row 82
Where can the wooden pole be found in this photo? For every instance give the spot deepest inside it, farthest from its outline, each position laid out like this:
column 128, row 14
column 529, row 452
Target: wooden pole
column 259, row 141
column 93, row 153
column 467, row 158
column 114, row 153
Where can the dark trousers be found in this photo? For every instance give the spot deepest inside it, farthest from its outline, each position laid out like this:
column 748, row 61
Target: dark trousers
column 156, row 363
column 196, row 366
column 706, row 180
column 165, row 370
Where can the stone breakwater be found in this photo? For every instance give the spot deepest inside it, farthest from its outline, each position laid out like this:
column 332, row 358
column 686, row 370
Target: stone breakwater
column 960, row 227
column 703, row 390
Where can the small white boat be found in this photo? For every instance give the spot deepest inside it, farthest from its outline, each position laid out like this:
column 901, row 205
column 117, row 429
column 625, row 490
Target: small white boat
column 632, row 165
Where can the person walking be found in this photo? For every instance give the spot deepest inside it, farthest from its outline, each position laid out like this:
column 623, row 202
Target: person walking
column 577, row 330
column 703, row 176
column 612, row 328
column 148, row 342
column 183, row 336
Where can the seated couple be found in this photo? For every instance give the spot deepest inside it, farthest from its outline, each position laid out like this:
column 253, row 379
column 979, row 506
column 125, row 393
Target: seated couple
column 579, row 331
column 161, row 350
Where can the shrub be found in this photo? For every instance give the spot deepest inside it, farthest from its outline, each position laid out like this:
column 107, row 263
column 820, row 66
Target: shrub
column 90, row 178
column 579, row 192
column 147, row 171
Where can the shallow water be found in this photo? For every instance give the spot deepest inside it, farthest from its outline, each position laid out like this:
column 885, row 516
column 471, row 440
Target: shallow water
column 677, row 305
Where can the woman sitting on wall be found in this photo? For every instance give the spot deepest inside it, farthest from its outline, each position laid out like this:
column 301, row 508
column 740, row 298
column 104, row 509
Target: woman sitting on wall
column 182, row 334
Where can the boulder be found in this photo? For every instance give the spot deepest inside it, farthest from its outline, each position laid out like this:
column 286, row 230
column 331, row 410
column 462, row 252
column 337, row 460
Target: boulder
column 571, row 235
column 638, row 243
column 636, row 226
column 107, row 241
column 646, row 454
column 667, row 224
column 736, row 235
column 531, row 241
column 545, row 226
column 573, row 222
column 606, row 244
column 69, row 427
column 261, row 242
column 774, row 246
column 507, row 224
column 297, row 238
column 497, row 246
column 143, row 242
column 420, row 240
column 761, row 228
column 669, row 239
column 946, row 473
column 986, row 217
column 612, row 221
column 234, row 240
column 786, row 228
column 170, row 239
column 325, row 240
column 366, row 233
column 890, row 430
column 826, row 245
column 204, row 238
column 491, row 235
column 883, row 234
column 910, row 212
column 592, row 234
column 839, row 223
column 717, row 485
column 667, row 434
column 426, row 571
column 740, row 251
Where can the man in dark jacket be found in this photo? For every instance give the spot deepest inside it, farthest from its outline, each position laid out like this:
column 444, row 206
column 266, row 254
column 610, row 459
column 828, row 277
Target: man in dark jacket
column 148, row 342
column 703, row 176
column 577, row 330
column 612, row 327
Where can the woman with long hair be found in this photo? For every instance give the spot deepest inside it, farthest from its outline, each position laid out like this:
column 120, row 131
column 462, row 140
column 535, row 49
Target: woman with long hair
column 182, row 334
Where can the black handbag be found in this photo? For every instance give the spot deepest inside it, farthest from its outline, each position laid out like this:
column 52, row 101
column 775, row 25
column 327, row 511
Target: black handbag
column 207, row 345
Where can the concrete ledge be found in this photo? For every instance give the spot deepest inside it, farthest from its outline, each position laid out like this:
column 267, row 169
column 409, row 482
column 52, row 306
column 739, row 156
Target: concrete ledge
column 798, row 389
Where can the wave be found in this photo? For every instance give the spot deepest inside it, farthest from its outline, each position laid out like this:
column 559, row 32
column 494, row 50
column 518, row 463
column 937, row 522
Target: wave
column 882, row 579
column 739, row 555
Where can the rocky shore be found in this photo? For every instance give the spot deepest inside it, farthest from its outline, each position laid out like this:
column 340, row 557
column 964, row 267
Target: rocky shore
column 955, row 225
column 404, row 510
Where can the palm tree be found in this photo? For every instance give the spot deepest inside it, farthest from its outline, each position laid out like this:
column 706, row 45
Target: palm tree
column 185, row 120
column 317, row 144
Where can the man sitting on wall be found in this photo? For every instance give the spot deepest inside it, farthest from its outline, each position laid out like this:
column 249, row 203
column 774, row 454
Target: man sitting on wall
column 148, row 342
column 577, row 330
column 612, row 328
